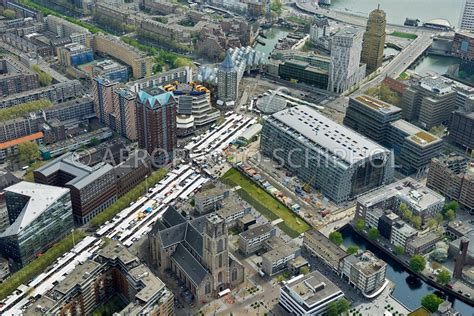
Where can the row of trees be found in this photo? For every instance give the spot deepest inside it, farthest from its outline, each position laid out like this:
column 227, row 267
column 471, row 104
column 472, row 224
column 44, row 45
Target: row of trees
column 24, row 108
column 338, row 307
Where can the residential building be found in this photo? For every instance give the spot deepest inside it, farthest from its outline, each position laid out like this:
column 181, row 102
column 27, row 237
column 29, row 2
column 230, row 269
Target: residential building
column 16, row 77
column 197, row 252
column 429, row 101
column 463, row 47
column 453, row 177
column 64, row 28
column 140, row 63
column 156, row 124
column 40, row 215
column 124, row 105
column 413, row 147
column 181, row 75
column 364, row 271
column 402, row 233
column 103, row 93
column 92, row 189
column 251, row 240
column 246, row 222
column 319, row 30
column 75, row 54
column 461, row 129
column 467, row 16
column 6, row 179
column 422, row 244
column 345, row 70
column 386, row 223
column 10, row 148
column 319, row 245
column 310, row 294
column 279, row 254
column 419, row 199
column 209, row 199
column 227, row 80
column 295, row 265
column 132, row 171
column 374, row 40
column 113, row 272
column 371, row 117
column 232, row 211
column 56, row 93
column 337, row 160
column 111, row 70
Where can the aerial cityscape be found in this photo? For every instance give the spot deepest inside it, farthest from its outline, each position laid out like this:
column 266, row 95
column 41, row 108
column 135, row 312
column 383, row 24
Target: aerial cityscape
column 237, row 157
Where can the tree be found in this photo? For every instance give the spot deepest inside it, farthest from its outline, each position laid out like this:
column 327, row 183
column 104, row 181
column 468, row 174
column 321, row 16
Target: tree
column 439, row 219
column 443, row 277
column 304, row 270
column 405, row 211
column 450, row 215
column 94, row 142
column 343, row 306
column 333, row 309
column 384, row 93
column 373, row 233
column 451, row 205
column 432, row 223
column 9, row 14
column 276, row 6
column 399, row 250
column 336, row 238
column 431, row 302
column 352, row 250
column 417, row 263
column 28, row 152
column 359, row 224
column 416, row 222
column 45, row 79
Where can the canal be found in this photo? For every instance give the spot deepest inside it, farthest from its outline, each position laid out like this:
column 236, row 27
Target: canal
column 408, row 289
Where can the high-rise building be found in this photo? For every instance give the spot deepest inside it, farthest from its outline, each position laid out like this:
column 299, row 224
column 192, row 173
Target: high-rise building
column 467, row 16
column 103, row 94
column 374, row 40
column 39, row 216
column 227, row 80
column 124, row 113
column 337, row 160
column 345, row 69
column 156, row 123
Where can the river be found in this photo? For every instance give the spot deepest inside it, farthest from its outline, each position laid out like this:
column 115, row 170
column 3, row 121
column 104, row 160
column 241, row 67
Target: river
column 408, row 289
column 398, row 10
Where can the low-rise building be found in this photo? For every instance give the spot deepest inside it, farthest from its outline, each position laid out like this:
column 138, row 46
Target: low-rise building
column 319, row 245
column 111, row 70
column 402, row 233
column 39, row 215
column 422, row 244
column 75, row 54
column 457, row 229
column 276, row 260
column 10, row 148
column 364, row 271
column 295, row 265
column 210, row 199
column 309, row 294
column 246, row 221
column 232, row 211
column 251, row 240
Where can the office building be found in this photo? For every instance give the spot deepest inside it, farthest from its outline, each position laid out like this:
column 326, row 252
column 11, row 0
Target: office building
column 402, row 233
column 114, row 272
column 16, row 77
column 337, row 160
column 319, row 29
column 461, row 129
column 197, row 251
column 319, row 245
column 463, row 48
column 371, row 117
column 227, row 80
column 307, row 295
column 111, row 70
column 422, row 244
column 63, row 28
column 125, row 113
column 429, row 101
column 56, row 93
column 453, row 177
column 419, row 199
column 181, row 75
column 413, row 147
column 140, row 63
column 40, row 215
column 279, row 254
column 251, row 240
column 156, row 123
column 75, row 54
column 306, row 72
column 92, row 189
column 374, row 40
column 364, row 271
column 345, row 70
column 457, row 229
column 385, row 223
column 467, row 16
column 132, row 171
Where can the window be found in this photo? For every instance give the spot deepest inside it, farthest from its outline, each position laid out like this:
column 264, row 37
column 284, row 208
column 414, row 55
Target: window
column 208, row 288
column 219, row 277
column 220, row 261
column 234, row 275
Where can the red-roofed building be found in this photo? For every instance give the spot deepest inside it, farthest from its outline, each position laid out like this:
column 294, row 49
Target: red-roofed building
column 10, row 147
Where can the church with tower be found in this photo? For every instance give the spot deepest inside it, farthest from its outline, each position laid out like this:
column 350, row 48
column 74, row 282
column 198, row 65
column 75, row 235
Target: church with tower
column 197, row 252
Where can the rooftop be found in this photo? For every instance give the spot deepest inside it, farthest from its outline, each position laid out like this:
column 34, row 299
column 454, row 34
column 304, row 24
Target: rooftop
column 310, row 126
column 257, row 231
column 311, row 288
column 416, row 134
column 329, row 245
column 423, row 240
column 436, row 84
column 376, row 104
column 21, row 140
column 366, row 262
column 462, row 228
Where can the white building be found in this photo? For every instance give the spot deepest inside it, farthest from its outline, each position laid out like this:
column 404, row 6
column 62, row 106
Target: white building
column 364, row 271
column 467, row 16
column 402, row 233
column 318, row 30
column 345, row 69
column 309, row 294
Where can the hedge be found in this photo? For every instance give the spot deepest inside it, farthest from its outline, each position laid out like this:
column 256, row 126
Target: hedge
column 127, row 198
column 39, row 265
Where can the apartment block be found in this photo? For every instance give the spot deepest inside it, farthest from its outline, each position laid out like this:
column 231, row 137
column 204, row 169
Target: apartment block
column 16, row 77
column 319, row 245
column 251, row 240
column 75, row 54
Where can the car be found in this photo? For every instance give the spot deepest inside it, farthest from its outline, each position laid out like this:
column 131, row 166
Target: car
column 459, row 291
column 450, row 286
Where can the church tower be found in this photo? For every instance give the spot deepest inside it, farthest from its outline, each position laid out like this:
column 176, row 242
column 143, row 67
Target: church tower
column 215, row 252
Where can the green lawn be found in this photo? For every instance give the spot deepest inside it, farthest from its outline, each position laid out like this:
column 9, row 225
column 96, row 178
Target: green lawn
column 266, row 204
column 403, row 76
column 404, row 35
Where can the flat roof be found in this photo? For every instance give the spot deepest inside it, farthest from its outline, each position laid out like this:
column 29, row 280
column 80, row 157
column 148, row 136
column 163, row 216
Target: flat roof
column 425, row 239
column 308, row 125
column 416, row 134
column 366, row 262
column 257, row 231
column 376, row 104
column 311, row 288
column 329, row 245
